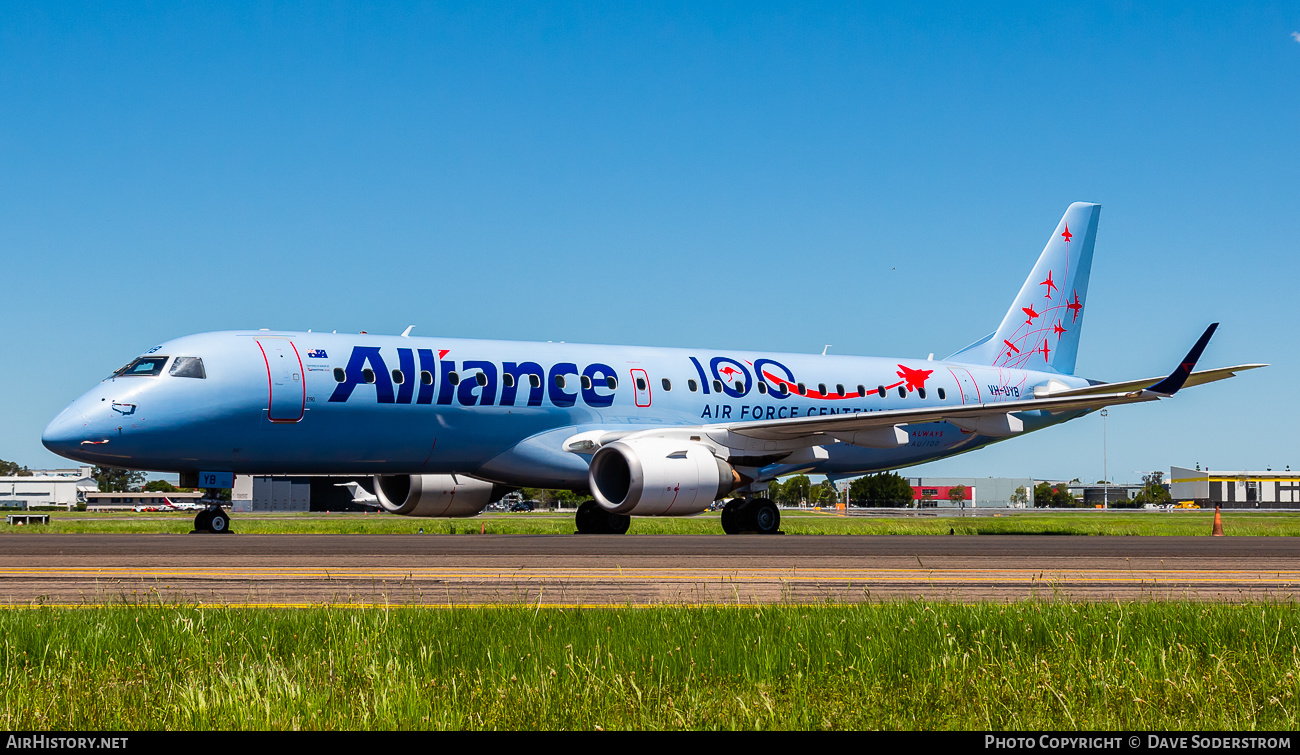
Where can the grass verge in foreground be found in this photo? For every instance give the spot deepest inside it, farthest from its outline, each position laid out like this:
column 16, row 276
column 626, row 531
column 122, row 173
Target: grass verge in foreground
column 1181, row 523
column 912, row 665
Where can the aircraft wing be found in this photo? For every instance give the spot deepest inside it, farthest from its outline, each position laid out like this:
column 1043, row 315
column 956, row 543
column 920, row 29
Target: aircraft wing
column 1196, row 378
column 883, row 428
column 973, row 415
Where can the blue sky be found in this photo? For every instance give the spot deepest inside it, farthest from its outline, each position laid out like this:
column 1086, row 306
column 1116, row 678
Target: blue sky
column 749, row 175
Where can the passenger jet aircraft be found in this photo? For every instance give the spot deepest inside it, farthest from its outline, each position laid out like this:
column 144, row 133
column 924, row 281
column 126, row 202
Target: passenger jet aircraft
column 445, row 426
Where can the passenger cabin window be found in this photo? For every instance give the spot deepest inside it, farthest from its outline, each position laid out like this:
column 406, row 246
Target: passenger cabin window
column 839, row 389
column 640, row 384
column 586, row 382
column 143, row 367
column 920, row 392
column 339, row 375
column 717, row 386
column 862, row 391
column 902, row 392
column 426, row 377
column 508, row 380
column 453, row 378
column 762, row 388
column 667, row 384
column 800, row 389
column 368, row 375
column 190, row 367
column 559, row 381
column 881, row 390
column 535, row 381
column 398, row 377
column 612, row 382
column 740, row 386
column 821, row 388
column 942, row 394
column 692, row 386
column 785, row 389
column 481, row 378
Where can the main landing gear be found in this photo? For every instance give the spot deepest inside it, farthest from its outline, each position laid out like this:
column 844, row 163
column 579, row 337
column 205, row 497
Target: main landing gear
column 751, row 516
column 212, row 519
column 594, row 520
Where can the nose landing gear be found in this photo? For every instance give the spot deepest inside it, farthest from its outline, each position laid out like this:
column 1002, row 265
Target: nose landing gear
column 212, row 519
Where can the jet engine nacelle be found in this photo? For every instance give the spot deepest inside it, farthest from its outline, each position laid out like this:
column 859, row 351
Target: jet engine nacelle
column 434, row 494
column 659, row 477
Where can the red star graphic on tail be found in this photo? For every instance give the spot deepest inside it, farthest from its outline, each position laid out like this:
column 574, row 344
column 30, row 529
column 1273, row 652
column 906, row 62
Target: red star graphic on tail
column 1067, row 235
column 1049, row 283
column 1075, row 306
column 913, row 378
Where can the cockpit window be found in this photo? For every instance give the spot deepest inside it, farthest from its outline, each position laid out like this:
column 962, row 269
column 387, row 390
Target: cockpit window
column 190, row 367
column 142, row 367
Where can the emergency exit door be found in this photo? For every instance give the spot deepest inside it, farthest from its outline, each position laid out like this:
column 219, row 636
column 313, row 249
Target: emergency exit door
column 284, row 376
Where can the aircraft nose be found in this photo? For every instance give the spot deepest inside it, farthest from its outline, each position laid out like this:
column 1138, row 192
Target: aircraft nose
column 77, row 432
column 65, row 432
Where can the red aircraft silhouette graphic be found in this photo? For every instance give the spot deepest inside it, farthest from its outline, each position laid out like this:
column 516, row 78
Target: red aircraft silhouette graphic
column 913, row 379
column 1030, row 311
column 1058, row 330
column 1044, row 349
column 1067, row 234
column 1050, row 285
column 1075, row 306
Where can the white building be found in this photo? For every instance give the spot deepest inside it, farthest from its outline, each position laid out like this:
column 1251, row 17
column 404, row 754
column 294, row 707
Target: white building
column 47, row 487
column 1260, row 489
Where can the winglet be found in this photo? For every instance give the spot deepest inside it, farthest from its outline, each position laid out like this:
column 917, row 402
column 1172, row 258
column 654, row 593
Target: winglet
column 1172, row 384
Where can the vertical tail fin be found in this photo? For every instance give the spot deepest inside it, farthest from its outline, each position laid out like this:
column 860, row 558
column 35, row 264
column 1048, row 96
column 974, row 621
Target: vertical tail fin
column 1041, row 329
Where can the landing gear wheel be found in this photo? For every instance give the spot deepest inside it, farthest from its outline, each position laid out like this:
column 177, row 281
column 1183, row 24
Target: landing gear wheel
column 592, row 519
column 764, row 517
column 733, row 516
column 212, row 520
column 617, row 523
column 219, row 522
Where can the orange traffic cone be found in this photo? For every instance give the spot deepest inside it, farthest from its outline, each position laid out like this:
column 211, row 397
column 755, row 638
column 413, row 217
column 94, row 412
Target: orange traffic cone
column 1218, row 523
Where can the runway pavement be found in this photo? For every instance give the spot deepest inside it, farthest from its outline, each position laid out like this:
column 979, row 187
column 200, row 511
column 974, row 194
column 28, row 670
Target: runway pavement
column 636, row 570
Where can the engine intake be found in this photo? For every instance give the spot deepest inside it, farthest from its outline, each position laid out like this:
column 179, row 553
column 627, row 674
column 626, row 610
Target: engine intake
column 658, row 477
column 434, row 494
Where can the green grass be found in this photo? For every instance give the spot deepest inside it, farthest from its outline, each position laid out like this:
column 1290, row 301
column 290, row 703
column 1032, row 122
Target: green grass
column 911, row 665
column 795, row 523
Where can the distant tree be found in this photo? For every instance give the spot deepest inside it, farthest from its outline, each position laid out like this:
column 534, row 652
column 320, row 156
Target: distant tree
column 1153, row 490
column 1020, row 497
column 798, row 489
column 957, row 494
column 1057, row 496
column 12, row 469
column 117, row 480
column 883, row 489
column 822, row 494
column 557, row 499
column 160, row 486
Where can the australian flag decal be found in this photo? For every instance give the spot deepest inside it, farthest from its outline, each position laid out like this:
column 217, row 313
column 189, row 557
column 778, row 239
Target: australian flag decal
column 317, row 354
